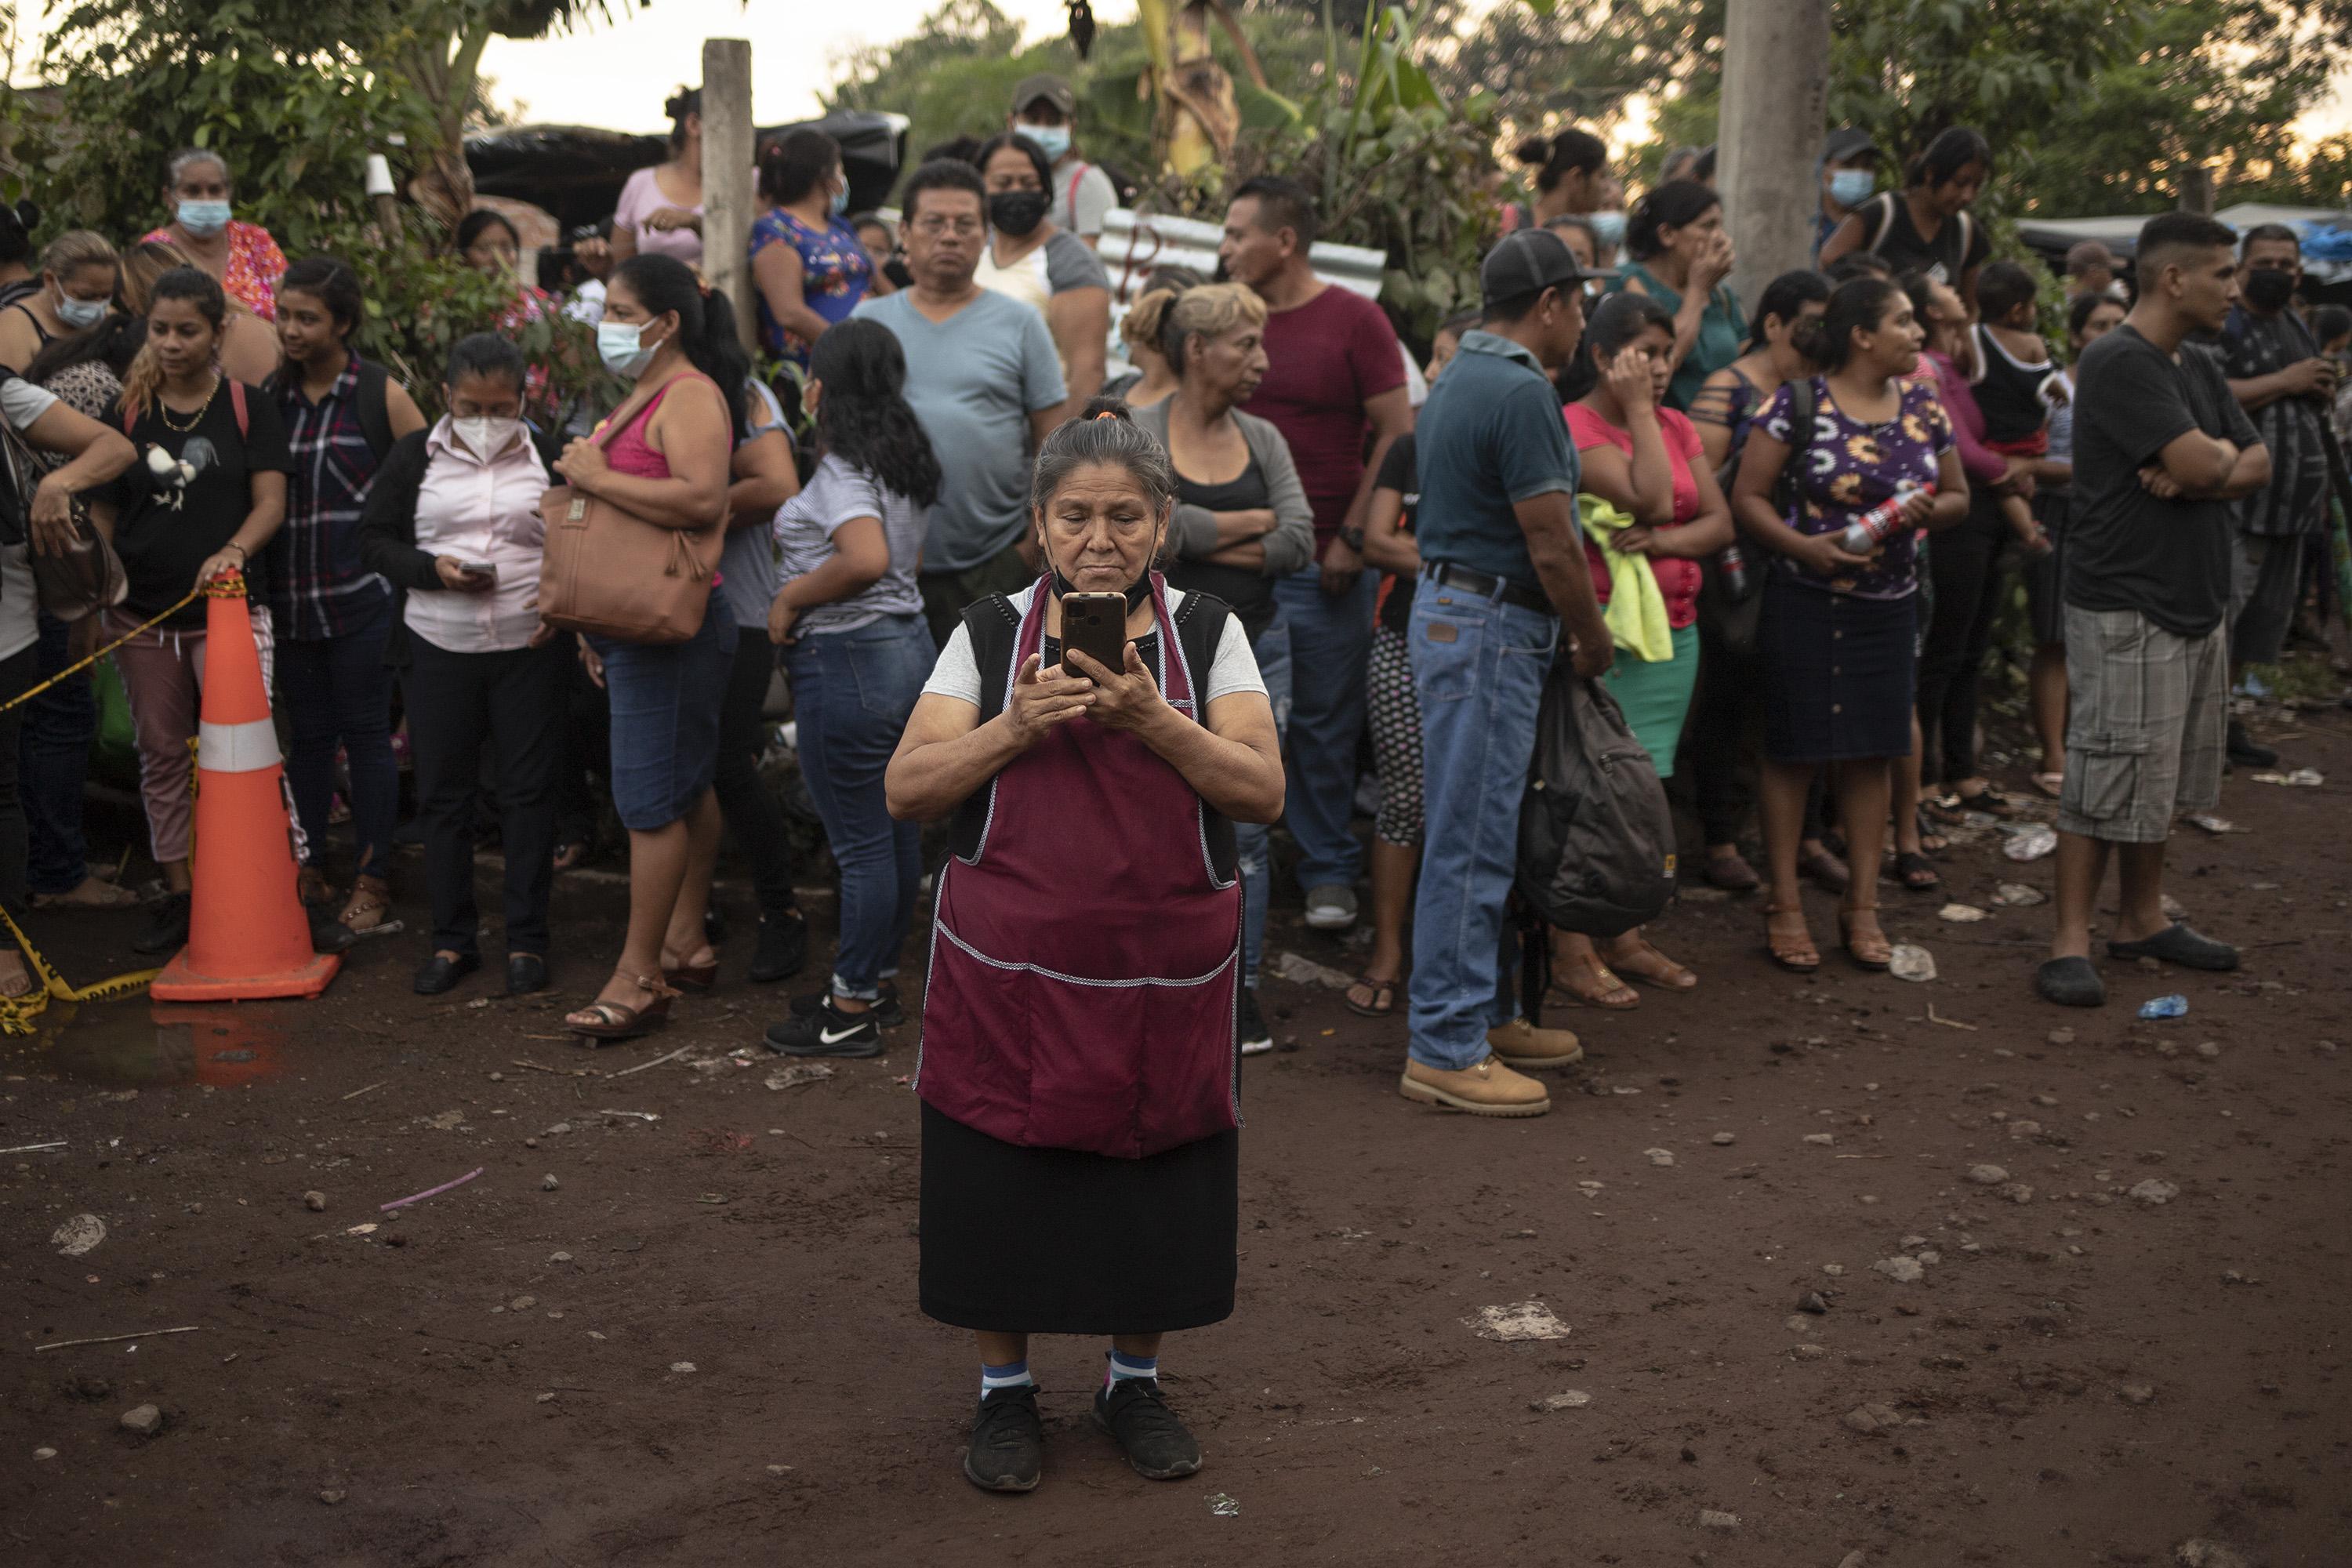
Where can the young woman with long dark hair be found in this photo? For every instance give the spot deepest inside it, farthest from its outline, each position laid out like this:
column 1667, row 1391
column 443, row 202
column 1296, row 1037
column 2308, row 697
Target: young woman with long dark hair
column 849, row 617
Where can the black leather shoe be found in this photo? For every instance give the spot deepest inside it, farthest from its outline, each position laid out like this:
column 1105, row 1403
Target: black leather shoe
column 526, row 973
column 440, row 972
column 783, row 947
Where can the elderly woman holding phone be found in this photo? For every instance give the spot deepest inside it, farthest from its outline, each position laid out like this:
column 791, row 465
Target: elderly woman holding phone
column 1096, row 737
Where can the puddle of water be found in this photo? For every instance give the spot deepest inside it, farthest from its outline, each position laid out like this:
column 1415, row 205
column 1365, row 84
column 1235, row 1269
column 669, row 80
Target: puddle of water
column 138, row 1043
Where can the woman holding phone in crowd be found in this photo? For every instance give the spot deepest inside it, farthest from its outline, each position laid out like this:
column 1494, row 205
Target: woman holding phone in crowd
column 1079, row 1079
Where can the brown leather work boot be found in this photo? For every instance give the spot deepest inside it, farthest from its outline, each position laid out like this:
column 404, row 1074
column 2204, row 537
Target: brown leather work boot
column 1490, row 1089
column 1523, row 1046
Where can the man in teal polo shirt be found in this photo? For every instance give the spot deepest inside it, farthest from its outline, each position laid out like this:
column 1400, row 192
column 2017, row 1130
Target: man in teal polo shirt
column 1503, row 570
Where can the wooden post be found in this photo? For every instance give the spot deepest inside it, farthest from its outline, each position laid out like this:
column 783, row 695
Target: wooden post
column 1775, row 92
column 726, row 171
column 2197, row 190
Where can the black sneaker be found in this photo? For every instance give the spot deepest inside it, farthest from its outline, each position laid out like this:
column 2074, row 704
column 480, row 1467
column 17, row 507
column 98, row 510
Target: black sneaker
column 827, row 1033
column 1007, row 1452
column 2248, row 752
column 167, row 925
column 1133, row 1412
column 886, row 1010
column 1257, row 1039
column 783, row 947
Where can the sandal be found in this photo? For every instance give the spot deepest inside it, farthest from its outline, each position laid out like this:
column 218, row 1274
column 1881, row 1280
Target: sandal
column 1650, row 966
column 1382, row 1004
column 1869, row 950
column 613, row 1021
column 1989, row 800
column 1930, row 841
column 1827, row 871
column 1793, row 952
column 1914, row 870
column 370, row 903
column 693, row 977
column 1598, row 987
column 94, row 893
column 20, row 985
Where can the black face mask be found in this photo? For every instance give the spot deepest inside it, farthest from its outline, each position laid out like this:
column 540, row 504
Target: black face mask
column 1137, row 592
column 2268, row 289
column 1017, row 213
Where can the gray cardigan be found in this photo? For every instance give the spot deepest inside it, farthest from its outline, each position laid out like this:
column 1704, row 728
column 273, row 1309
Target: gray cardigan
column 1193, row 531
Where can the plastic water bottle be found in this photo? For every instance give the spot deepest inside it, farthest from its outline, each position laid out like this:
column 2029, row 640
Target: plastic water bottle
column 1733, row 567
column 1868, row 532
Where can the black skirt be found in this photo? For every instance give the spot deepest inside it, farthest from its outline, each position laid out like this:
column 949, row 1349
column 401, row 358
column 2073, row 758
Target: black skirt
column 1058, row 1241
column 1840, row 673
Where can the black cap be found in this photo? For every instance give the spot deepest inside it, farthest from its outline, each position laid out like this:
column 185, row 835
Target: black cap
column 1050, row 87
column 1528, row 261
column 1847, row 144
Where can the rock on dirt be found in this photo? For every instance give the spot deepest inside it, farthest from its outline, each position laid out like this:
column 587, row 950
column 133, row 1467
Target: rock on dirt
column 1716, row 1519
column 2208, row 1554
column 1724, row 1140
column 548, row 1183
column 2016, row 1191
column 1659, row 1156
column 2154, row 1191
column 315, row 1202
column 331, row 1496
column 1574, row 1399
column 2135, row 1394
column 681, row 1366
column 144, row 1419
column 1852, row 1559
column 1867, row 1419
column 1902, row 1271
column 1517, row 1321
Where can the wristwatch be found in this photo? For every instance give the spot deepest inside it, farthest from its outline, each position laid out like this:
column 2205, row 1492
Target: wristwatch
column 1353, row 538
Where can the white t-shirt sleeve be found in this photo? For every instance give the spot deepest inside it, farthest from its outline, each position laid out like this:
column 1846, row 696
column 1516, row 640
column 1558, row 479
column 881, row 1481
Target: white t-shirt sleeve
column 1235, row 667
column 957, row 674
column 23, row 403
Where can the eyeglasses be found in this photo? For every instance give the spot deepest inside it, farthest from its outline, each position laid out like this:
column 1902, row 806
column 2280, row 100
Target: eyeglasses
column 937, row 224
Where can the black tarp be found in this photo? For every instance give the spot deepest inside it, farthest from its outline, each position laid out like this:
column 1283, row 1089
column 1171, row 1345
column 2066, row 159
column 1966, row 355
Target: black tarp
column 576, row 171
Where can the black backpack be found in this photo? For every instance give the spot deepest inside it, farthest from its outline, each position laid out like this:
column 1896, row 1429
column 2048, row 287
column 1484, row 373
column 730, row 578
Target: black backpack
column 1596, row 837
column 371, row 407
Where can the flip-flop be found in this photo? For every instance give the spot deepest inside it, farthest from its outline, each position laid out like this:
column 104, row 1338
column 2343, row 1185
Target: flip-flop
column 1383, row 997
column 1915, row 871
column 1664, row 972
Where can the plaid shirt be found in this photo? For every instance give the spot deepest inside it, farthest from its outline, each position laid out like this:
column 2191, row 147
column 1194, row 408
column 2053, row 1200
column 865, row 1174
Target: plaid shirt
column 316, row 586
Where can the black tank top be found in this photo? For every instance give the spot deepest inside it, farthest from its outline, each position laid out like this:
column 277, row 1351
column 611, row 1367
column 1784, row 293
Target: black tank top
column 1249, row 590
column 2009, row 391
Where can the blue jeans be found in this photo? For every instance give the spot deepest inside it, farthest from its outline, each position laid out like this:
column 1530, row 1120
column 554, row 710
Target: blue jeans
column 1478, row 667
column 1330, row 646
column 339, row 689
column 54, row 757
column 851, row 692
column 1250, row 838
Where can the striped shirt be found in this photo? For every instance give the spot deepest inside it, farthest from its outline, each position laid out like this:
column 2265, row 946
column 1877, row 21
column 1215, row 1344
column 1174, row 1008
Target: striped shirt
column 317, row 588
column 2295, row 500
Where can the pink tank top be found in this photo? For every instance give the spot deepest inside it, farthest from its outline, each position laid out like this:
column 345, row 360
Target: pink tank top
column 629, row 453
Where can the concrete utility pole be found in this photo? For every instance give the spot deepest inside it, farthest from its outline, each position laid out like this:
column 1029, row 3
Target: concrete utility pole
column 1775, row 72
column 727, row 173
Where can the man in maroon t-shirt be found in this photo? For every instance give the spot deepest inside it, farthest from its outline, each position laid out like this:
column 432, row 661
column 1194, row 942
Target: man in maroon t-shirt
column 1335, row 387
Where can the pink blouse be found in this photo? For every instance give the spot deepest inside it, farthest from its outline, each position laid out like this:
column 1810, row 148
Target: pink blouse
column 642, row 197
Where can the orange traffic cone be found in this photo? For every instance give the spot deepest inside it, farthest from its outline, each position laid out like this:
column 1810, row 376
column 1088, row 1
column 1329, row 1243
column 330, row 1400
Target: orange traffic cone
column 247, row 935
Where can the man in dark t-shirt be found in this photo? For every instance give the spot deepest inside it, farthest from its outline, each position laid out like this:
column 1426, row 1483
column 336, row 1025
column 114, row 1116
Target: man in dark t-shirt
column 2161, row 451
column 1335, row 387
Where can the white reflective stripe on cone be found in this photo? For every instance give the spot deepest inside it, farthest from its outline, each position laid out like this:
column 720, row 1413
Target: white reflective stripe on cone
column 237, row 748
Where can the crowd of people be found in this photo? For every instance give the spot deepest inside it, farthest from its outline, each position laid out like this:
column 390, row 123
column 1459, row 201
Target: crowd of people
column 1777, row 531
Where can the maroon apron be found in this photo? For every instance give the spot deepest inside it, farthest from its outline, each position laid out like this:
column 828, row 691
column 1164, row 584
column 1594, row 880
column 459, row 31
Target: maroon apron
column 1085, row 960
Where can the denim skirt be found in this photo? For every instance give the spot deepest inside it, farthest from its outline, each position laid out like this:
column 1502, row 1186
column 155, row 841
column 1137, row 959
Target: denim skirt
column 666, row 700
column 1840, row 673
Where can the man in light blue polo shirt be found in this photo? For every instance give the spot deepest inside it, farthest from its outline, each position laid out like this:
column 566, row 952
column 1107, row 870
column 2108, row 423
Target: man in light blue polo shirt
column 1503, row 569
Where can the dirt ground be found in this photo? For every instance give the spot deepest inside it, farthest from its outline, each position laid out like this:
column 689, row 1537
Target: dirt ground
column 672, row 1320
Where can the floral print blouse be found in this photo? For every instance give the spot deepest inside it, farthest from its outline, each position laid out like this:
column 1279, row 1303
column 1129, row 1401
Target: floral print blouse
column 1846, row 466
column 836, row 272
column 254, row 265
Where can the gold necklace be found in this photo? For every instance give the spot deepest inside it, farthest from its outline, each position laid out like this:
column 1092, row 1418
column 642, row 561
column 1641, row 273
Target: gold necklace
column 164, row 410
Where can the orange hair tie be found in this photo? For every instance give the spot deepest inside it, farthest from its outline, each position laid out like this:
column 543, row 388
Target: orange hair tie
column 1107, row 413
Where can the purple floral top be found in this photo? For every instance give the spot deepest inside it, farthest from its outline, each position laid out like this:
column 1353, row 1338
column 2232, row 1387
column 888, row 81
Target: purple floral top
column 1848, row 467
column 836, row 272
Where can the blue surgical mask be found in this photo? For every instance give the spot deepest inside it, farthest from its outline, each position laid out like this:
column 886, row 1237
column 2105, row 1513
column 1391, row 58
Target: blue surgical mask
column 204, row 218
column 840, row 202
column 618, row 346
column 1852, row 187
column 79, row 313
column 1608, row 228
column 1054, row 140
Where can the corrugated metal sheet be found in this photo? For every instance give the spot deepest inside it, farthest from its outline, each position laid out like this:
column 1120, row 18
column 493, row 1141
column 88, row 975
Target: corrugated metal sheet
column 1133, row 244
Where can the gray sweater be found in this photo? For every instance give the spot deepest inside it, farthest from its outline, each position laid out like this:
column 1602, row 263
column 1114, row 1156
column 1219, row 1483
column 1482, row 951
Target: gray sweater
column 1193, row 531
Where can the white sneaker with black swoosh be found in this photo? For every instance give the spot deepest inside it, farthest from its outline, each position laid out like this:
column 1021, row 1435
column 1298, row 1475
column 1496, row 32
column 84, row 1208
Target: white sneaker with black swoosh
column 827, row 1032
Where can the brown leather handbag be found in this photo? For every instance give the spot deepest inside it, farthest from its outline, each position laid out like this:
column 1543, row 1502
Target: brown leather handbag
column 609, row 572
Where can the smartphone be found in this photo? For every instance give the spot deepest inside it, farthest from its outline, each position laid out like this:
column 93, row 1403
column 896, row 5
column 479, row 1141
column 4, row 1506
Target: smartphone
column 1096, row 625
column 483, row 570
